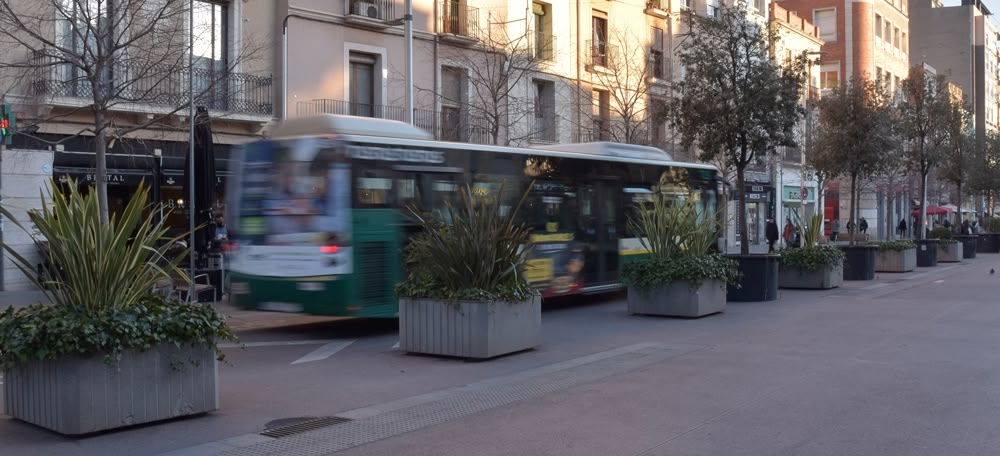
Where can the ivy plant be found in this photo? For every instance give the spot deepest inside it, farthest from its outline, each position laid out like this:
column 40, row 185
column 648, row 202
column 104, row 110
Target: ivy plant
column 894, row 246
column 812, row 258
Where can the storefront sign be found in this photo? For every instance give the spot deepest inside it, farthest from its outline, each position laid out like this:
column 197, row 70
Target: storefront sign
column 87, row 177
column 794, row 193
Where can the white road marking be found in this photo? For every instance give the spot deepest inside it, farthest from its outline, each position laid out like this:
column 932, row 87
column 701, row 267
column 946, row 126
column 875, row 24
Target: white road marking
column 938, row 281
column 278, row 343
column 396, row 347
column 325, row 351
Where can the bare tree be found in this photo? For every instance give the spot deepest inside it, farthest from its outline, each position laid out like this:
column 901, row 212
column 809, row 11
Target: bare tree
column 113, row 53
column 496, row 71
column 625, row 76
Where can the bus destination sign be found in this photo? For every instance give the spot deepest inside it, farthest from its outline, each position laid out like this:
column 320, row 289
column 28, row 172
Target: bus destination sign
column 395, row 154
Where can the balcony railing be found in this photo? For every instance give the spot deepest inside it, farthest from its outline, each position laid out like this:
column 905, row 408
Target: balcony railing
column 157, row 84
column 453, row 125
column 325, row 106
column 543, row 46
column 377, row 10
column 459, row 19
column 543, row 129
column 601, row 54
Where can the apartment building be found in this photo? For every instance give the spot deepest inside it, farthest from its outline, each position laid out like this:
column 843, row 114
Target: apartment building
column 148, row 82
column 487, row 71
column 797, row 37
column 960, row 42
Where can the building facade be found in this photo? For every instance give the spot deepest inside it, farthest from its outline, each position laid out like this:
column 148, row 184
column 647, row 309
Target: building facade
column 961, row 43
column 147, row 117
column 797, row 196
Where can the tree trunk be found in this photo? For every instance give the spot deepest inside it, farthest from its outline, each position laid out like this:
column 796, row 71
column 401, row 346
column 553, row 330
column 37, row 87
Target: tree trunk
column 923, row 205
column 958, row 223
column 100, row 156
column 850, row 215
column 741, row 207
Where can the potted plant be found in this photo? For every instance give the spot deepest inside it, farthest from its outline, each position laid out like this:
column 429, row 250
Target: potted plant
column 895, row 256
column 949, row 249
column 812, row 266
column 104, row 326
column 680, row 277
column 466, row 295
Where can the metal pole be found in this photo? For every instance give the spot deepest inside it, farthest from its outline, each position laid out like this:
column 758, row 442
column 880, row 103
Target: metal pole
column 192, row 207
column 284, row 68
column 408, row 38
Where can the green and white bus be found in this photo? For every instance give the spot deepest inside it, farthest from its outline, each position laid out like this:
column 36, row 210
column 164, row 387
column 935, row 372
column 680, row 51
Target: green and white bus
column 318, row 214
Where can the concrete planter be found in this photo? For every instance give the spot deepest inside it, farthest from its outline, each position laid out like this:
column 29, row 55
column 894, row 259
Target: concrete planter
column 988, row 243
column 469, row 329
column 949, row 252
column 75, row 395
column 859, row 262
column 927, row 253
column 822, row 279
column 969, row 246
column 679, row 299
column 758, row 279
column 896, row 260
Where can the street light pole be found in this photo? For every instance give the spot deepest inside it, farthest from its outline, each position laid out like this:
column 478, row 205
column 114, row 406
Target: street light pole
column 408, row 38
column 192, row 204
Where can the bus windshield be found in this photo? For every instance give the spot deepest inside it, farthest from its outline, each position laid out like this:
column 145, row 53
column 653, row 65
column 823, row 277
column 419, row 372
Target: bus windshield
column 294, row 193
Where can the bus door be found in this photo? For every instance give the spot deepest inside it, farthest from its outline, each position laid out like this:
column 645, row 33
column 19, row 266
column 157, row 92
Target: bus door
column 599, row 214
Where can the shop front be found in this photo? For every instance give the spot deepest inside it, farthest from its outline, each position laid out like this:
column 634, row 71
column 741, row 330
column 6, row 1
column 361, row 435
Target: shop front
column 798, row 203
column 759, row 207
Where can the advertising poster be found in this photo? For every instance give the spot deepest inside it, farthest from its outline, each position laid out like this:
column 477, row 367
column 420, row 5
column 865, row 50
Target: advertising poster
column 555, row 264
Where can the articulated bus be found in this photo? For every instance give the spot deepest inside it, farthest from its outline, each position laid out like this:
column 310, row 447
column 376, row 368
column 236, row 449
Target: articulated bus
column 318, row 215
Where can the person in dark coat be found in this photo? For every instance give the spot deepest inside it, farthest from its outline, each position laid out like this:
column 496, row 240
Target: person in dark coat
column 863, row 225
column 902, row 227
column 771, row 233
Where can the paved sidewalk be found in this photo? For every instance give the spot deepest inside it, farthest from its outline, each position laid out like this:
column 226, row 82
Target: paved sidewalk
column 903, row 365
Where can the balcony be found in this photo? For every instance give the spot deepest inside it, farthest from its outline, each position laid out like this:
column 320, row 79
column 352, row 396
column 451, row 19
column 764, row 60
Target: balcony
column 325, row 106
column 450, row 124
column 376, row 14
column 543, row 47
column 543, row 129
column 459, row 23
column 154, row 85
column 658, row 8
column 600, row 55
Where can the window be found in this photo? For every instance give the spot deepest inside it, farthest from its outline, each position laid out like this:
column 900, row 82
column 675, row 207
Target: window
column 599, row 26
column 905, row 44
column 542, row 13
column 452, row 99
column 888, row 82
column 878, row 26
column 544, row 118
column 211, row 29
column 887, row 36
column 685, row 4
column 826, row 20
column 656, row 53
column 895, row 38
column 829, row 76
column 601, row 115
column 361, row 84
column 878, row 74
column 454, row 17
column 713, row 8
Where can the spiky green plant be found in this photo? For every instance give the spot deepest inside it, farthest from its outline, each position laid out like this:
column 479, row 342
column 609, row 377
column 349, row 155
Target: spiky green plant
column 670, row 228
column 475, row 253
column 98, row 266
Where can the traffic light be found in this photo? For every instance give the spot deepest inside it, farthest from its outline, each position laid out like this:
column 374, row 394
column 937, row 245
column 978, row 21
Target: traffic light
column 7, row 123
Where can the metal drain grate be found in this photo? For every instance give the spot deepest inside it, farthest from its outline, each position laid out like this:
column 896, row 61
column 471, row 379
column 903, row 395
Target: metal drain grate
column 303, row 426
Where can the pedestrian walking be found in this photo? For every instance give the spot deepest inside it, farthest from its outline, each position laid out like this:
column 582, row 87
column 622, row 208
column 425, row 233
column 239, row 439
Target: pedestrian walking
column 771, row 232
column 966, row 227
column 901, row 228
column 863, row 225
column 788, row 232
column 834, row 230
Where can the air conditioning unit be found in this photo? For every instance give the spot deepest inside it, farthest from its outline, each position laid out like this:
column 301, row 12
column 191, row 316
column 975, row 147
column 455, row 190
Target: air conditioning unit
column 366, row 9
